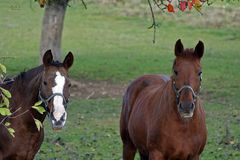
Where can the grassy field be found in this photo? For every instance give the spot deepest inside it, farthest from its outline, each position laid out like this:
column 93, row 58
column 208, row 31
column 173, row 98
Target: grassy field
column 92, row 133
column 110, row 46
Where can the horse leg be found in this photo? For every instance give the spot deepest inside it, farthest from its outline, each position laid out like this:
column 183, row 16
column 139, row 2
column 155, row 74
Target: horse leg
column 129, row 151
column 1, row 155
column 156, row 155
column 143, row 157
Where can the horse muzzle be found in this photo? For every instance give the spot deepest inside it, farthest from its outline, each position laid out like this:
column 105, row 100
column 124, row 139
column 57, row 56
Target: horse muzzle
column 58, row 122
column 186, row 109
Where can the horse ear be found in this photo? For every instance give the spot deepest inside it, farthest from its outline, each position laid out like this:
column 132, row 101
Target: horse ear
column 178, row 48
column 199, row 49
column 68, row 61
column 47, row 58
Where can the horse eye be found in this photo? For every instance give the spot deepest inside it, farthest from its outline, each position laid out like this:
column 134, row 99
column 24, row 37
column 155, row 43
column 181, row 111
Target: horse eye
column 175, row 72
column 200, row 75
column 69, row 85
column 45, row 83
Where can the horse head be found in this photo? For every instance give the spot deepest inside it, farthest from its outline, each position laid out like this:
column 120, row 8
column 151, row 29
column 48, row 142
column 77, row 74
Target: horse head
column 187, row 76
column 54, row 88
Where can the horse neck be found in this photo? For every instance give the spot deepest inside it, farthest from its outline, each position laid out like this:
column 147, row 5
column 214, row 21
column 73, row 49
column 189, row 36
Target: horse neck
column 26, row 94
column 33, row 91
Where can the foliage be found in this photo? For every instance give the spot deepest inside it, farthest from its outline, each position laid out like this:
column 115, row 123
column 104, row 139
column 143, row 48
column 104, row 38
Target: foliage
column 167, row 5
column 161, row 4
column 37, row 106
column 38, row 124
column 182, row 5
column 5, row 95
column 42, row 2
column 3, row 71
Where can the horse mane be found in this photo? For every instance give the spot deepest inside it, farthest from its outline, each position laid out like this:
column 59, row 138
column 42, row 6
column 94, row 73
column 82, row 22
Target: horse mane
column 29, row 74
column 57, row 64
column 188, row 53
column 21, row 81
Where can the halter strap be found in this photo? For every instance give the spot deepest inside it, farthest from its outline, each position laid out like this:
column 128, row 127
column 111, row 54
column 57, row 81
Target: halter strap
column 45, row 101
column 178, row 91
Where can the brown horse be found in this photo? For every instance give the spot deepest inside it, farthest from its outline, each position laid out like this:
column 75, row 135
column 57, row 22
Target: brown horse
column 162, row 117
column 49, row 83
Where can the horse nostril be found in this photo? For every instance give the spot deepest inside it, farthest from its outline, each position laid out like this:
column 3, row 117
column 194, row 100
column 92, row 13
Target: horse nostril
column 181, row 107
column 186, row 107
column 58, row 123
column 63, row 117
column 192, row 106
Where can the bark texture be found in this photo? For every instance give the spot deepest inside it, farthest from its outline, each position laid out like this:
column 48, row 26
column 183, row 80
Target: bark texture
column 52, row 27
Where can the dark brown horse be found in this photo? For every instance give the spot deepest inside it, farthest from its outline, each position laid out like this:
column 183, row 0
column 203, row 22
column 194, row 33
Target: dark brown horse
column 49, row 83
column 162, row 117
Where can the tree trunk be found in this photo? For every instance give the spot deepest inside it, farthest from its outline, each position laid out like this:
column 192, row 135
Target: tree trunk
column 52, row 28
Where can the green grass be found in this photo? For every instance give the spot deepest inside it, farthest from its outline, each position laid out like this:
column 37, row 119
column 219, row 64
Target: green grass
column 92, row 132
column 107, row 46
column 110, row 46
column 218, row 118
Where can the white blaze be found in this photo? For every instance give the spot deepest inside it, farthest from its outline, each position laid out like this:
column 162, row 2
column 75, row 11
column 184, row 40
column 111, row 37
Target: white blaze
column 59, row 109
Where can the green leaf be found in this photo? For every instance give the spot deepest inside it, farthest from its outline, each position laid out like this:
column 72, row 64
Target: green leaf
column 38, row 103
column 6, row 92
column 3, row 68
column 38, row 124
column 40, row 109
column 5, row 101
column 11, row 131
column 7, row 124
column 5, row 111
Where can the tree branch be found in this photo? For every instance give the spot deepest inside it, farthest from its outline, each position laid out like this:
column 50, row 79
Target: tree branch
column 84, row 4
column 154, row 25
column 159, row 5
column 10, row 115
